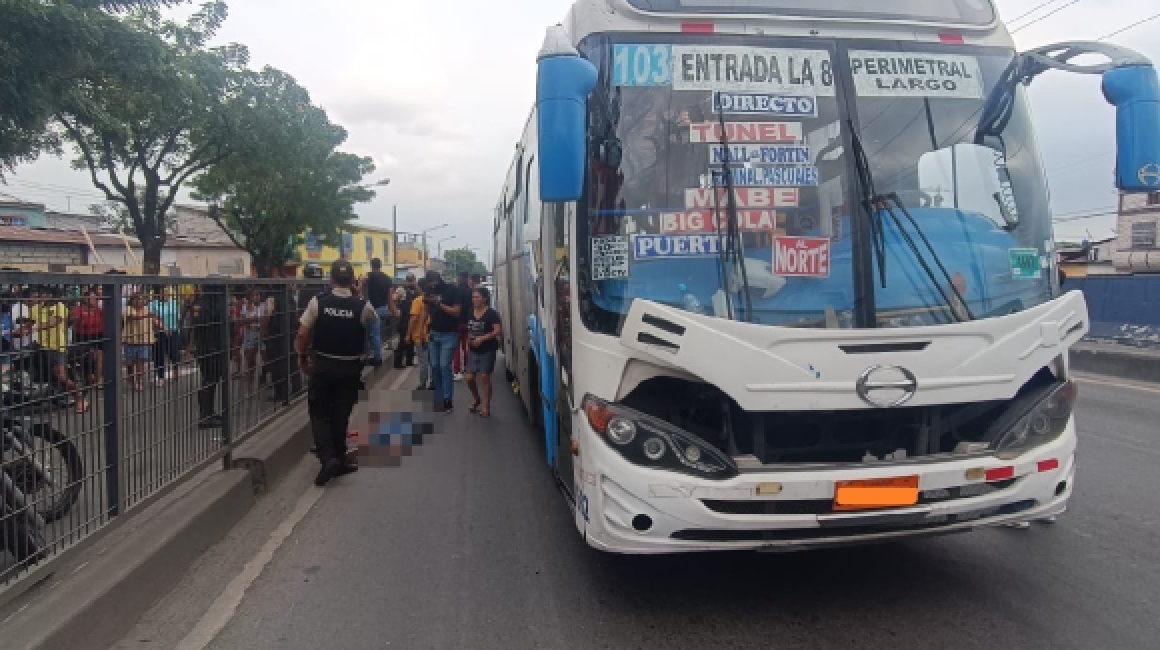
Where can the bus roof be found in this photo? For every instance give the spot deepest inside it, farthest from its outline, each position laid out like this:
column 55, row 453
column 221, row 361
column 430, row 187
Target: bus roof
column 888, row 19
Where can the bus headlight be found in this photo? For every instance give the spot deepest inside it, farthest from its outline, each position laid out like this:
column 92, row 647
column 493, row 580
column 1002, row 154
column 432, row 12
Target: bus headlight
column 621, row 431
column 651, row 442
column 1044, row 422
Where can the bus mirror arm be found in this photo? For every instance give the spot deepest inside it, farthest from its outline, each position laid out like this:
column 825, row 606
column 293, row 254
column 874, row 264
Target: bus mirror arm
column 1129, row 83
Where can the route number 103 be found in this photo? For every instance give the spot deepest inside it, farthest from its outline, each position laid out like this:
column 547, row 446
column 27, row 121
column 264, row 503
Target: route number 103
column 643, row 65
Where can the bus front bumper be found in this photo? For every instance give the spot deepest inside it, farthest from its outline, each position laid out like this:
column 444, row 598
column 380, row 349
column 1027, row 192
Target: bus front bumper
column 624, row 508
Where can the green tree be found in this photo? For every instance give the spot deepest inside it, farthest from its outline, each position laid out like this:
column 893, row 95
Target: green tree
column 47, row 49
column 150, row 123
column 462, row 259
column 289, row 179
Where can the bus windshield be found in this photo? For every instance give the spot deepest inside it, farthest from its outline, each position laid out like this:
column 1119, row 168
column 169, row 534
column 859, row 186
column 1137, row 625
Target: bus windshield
column 677, row 119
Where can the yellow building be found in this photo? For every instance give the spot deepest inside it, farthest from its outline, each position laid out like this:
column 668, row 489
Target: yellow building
column 360, row 244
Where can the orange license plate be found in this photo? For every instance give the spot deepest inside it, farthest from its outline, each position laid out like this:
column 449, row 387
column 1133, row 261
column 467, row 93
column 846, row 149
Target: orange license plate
column 876, row 493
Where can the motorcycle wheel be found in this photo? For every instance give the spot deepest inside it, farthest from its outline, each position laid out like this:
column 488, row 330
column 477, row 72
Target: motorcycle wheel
column 56, row 485
column 21, row 529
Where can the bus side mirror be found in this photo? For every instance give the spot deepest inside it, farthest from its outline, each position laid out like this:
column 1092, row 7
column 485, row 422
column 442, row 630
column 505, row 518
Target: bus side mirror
column 1135, row 92
column 563, row 82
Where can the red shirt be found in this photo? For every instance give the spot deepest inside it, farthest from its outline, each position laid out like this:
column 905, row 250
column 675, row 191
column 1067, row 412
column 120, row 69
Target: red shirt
column 90, row 320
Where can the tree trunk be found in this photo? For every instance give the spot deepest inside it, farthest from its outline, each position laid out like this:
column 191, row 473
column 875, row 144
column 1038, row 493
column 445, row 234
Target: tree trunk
column 264, row 267
column 152, row 257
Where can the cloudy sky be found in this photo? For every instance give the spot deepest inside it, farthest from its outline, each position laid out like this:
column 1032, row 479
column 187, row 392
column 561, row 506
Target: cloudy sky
column 437, row 93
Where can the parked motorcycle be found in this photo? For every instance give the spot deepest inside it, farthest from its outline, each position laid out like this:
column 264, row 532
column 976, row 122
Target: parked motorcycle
column 42, row 463
column 21, row 528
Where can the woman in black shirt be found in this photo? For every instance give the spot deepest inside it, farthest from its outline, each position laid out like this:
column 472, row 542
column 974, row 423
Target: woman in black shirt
column 483, row 332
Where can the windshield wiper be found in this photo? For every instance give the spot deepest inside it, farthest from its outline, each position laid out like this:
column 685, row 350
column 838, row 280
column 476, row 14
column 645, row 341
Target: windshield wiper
column 875, row 205
column 735, row 247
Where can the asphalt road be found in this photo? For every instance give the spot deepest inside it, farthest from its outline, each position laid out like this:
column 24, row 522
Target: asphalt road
column 468, row 544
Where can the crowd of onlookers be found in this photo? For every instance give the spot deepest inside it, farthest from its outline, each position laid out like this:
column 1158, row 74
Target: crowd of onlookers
column 58, row 333
column 450, row 329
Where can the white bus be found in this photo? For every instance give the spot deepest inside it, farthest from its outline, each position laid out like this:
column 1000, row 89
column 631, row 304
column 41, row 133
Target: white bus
column 779, row 274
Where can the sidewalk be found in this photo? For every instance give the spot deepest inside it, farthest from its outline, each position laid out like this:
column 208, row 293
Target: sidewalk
column 1125, row 362
column 94, row 593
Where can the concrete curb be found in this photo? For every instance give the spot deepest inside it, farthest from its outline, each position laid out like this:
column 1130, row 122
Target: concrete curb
column 94, row 606
column 1117, row 361
column 269, row 457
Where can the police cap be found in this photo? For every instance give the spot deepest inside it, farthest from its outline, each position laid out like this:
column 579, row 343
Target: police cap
column 342, row 273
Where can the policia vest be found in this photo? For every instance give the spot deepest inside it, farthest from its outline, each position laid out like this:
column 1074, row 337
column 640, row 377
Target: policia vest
column 339, row 333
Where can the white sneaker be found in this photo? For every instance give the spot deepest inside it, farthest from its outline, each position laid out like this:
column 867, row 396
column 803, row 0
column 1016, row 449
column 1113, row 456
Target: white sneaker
column 457, row 377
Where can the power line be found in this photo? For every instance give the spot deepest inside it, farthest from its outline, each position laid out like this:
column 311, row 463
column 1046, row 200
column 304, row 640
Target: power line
column 1045, row 16
column 1084, row 217
column 1087, row 210
column 1033, row 10
column 1135, row 24
column 1095, row 159
column 55, row 189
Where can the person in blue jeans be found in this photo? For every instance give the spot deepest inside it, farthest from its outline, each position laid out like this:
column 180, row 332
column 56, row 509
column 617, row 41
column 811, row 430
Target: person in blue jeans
column 444, row 305
column 377, row 290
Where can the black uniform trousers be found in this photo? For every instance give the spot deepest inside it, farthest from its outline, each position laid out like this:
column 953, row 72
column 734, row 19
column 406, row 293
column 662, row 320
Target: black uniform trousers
column 333, row 392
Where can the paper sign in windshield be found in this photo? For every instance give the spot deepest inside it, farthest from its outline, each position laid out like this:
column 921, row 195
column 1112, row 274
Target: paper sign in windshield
column 765, row 104
column 760, row 154
column 752, row 69
column 609, row 257
column 650, row 247
column 741, row 132
column 801, row 256
column 704, row 221
column 801, row 176
column 899, row 74
column 743, row 197
column 1025, row 264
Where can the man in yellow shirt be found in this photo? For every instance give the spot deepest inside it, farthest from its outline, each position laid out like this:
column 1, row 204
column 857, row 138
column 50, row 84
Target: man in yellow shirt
column 51, row 318
column 418, row 334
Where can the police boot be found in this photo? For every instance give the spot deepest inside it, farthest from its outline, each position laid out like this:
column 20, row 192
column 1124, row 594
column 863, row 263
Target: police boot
column 330, row 469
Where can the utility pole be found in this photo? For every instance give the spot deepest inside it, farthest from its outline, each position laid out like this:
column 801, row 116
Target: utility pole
column 395, row 238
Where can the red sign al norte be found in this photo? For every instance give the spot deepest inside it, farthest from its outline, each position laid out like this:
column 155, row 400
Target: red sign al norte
column 703, row 221
column 801, row 256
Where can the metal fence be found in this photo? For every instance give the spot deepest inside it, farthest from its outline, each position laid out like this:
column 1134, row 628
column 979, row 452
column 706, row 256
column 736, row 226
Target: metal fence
column 1123, row 309
column 115, row 387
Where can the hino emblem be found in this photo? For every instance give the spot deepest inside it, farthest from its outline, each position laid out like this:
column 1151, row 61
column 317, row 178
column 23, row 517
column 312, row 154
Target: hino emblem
column 1150, row 174
column 886, row 386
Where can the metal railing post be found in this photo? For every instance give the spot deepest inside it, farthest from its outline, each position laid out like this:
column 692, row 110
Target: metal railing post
column 225, row 340
column 287, row 342
column 114, row 387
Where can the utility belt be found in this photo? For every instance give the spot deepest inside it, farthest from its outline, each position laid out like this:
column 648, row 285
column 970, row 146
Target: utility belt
column 324, row 365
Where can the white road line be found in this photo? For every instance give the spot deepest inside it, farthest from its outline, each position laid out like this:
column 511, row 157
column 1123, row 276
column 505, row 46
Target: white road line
column 226, row 604
column 1116, row 384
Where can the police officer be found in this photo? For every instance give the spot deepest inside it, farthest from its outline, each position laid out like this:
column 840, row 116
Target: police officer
column 331, row 346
